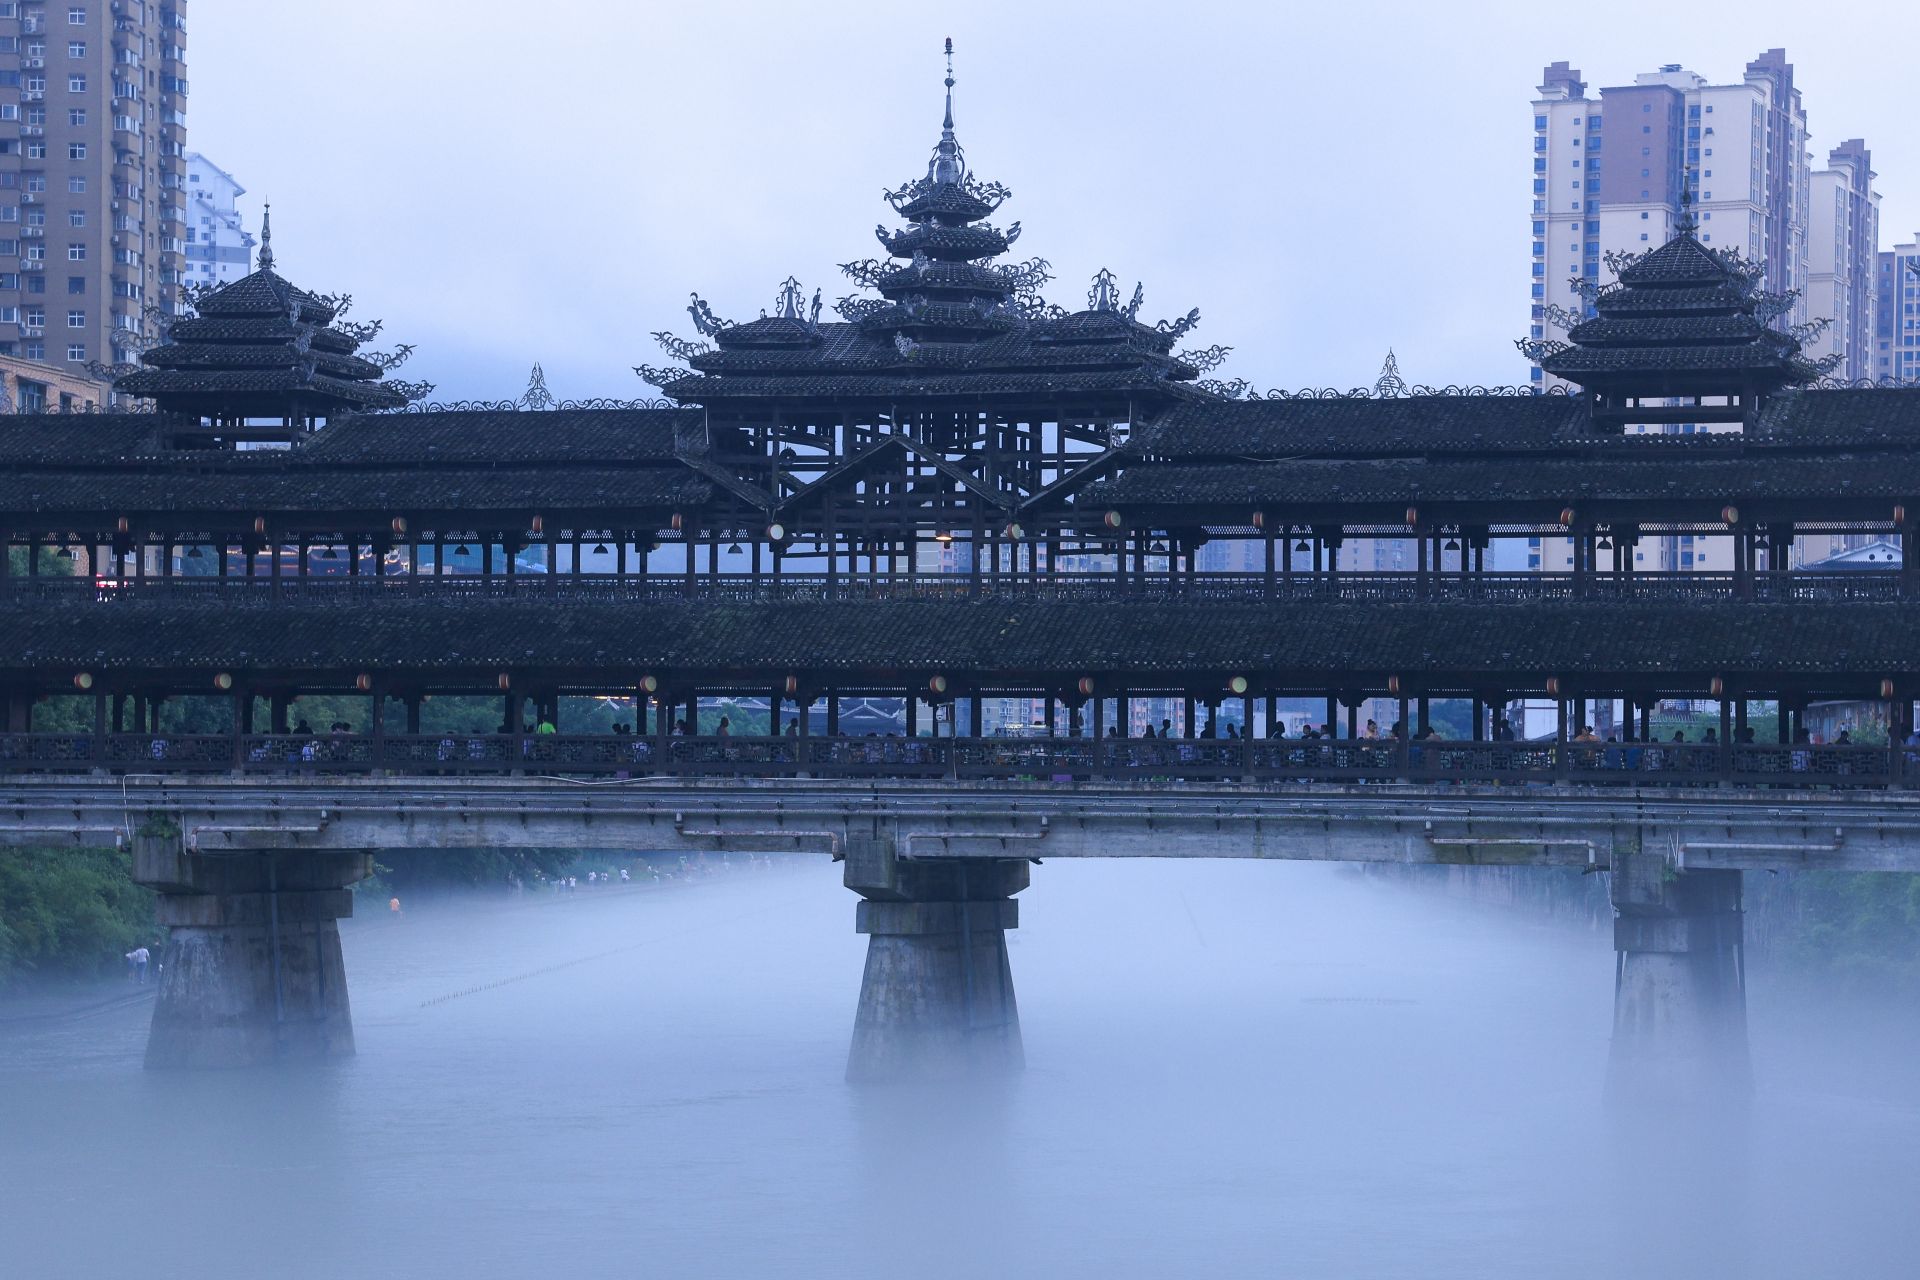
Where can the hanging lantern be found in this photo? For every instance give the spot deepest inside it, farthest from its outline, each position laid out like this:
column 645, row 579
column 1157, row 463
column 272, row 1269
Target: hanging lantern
column 363, row 682
column 1413, row 516
column 1114, row 520
column 505, row 681
column 538, row 524
column 83, row 681
column 223, row 682
column 1237, row 685
column 1259, row 519
column 259, row 524
column 1085, row 686
column 776, row 532
column 1899, row 513
column 1393, row 685
column 676, row 522
column 399, row 526
column 120, row 525
column 1716, row 687
column 937, row 685
column 1886, row 688
column 792, row 685
column 1729, row 514
column 1566, row 516
column 1553, row 686
column 1014, row 532
column 648, row 684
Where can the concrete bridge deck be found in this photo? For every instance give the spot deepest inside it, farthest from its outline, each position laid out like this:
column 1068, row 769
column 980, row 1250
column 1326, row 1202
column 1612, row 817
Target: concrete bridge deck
column 1729, row 828
column 253, row 874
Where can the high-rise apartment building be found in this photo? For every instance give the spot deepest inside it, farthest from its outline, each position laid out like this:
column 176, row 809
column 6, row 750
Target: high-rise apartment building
column 219, row 248
column 1609, row 170
column 1896, row 339
column 1843, row 238
column 93, row 99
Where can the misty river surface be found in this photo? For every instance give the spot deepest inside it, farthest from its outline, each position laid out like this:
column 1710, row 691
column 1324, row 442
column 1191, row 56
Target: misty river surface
column 1247, row 1068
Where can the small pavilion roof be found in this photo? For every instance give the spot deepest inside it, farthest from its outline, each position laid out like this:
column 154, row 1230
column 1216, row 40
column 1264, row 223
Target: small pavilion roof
column 260, row 346
column 1687, row 317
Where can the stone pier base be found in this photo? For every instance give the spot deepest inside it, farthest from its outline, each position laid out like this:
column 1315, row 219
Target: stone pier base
column 937, row 995
column 1680, row 1001
column 251, row 972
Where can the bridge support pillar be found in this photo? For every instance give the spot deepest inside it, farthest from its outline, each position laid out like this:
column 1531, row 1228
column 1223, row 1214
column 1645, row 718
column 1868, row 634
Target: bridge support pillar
column 1680, row 1001
column 251, row 972
column 937, row 995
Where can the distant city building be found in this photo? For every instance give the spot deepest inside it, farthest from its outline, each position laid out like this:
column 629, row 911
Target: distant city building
column 93, row 99
column 1843, row 241
column 219, row 249
column 1896, row 339
column 28, row 386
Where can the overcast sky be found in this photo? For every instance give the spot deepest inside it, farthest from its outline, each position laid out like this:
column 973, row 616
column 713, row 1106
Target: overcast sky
column 505, row 182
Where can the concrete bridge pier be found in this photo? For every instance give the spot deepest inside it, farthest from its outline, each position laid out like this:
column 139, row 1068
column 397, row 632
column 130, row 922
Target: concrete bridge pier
column 251, row 972
column 937, row 995
column 1680, row 999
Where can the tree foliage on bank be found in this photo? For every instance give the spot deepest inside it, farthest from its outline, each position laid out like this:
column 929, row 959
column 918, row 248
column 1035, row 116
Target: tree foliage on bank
column 71, row 911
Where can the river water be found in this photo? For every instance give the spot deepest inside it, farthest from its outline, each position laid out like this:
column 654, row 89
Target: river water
column 1234, row 1069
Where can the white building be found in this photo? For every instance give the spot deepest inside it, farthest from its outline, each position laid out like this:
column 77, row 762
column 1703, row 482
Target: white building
column 1843, row 237
column 219, row 249
column 1896, row 343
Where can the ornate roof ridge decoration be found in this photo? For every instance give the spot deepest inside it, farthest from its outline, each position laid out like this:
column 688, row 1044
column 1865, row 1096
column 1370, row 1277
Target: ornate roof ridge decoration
column 593, row 405
column 1452, row 391
column 1390, row 384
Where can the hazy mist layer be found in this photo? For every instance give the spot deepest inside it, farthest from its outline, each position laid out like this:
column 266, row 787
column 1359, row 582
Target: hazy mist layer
column 1236, row 1069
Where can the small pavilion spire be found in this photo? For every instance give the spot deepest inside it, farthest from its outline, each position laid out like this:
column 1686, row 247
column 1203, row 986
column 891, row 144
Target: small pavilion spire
column 949, row 163
column 1686, row 224
column 266, row 238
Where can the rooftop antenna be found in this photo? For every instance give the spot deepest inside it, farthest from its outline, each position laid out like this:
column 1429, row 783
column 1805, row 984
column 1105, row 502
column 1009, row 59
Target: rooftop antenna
column 266, row 238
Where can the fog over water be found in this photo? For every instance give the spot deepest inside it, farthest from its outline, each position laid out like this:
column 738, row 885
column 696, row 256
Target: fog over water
column 1234, row 1069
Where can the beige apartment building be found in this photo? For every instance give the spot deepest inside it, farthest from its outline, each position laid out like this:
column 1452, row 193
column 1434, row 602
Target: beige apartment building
column 28, row 386
column 93, row 99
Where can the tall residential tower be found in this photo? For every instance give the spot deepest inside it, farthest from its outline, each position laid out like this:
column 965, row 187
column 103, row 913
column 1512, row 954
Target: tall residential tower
column 93, row 97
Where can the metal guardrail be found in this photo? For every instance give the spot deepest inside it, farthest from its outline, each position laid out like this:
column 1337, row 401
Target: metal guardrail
column 1796, row 585
column 1253, row 760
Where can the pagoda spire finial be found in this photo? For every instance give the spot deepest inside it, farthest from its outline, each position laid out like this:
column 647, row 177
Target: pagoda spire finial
column 949, row 163
column 266, row 238
column 1686, row 224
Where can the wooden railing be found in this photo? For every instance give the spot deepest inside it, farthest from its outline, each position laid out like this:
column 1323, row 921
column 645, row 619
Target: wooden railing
column 1803, row 585
column 1147, row 760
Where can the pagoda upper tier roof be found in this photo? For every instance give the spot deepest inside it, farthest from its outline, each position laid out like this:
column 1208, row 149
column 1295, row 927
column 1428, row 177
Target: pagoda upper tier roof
column 265, row 294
